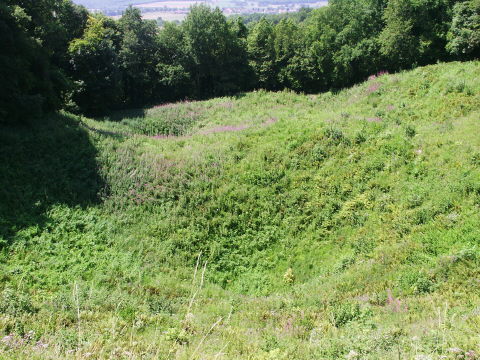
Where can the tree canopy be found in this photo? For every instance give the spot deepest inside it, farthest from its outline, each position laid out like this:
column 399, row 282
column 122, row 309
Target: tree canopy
column 57, row 55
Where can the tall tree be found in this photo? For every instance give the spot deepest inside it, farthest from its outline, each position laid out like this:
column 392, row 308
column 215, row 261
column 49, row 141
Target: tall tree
column 464, row 34
column 54, row 23
column 415, row 32
column 218, row 61
column 25, row 72
column 341, row 44
column 286, row 45
column 261, row 53
column 96, row 66
column 173, row 61
column 137, row 54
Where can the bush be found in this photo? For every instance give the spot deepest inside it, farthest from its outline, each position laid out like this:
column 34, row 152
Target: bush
column 343, row 313
column 15, row 303
column 416, row 282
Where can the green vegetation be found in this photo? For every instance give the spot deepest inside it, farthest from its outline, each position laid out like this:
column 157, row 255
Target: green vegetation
column 58, row 56
column 255, row 225
column 262, row 226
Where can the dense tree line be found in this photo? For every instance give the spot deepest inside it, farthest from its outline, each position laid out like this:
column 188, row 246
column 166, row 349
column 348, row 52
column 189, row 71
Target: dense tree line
column 55, row 54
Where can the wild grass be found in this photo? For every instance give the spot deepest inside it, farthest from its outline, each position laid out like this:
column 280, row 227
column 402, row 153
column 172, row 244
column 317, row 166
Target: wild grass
column 265, row 226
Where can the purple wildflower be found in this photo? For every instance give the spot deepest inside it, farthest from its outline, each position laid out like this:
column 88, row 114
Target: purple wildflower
column 373, row 88
column 395, row 304
column 270, row 121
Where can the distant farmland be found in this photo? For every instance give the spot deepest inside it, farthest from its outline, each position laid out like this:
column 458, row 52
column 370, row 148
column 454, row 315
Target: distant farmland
column 169, row 4
column 177, row 10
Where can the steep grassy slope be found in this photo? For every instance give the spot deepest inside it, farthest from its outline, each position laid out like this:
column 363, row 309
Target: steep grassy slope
column 266, row 226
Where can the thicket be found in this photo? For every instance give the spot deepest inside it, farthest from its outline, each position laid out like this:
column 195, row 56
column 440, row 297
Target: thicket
column 55, row 54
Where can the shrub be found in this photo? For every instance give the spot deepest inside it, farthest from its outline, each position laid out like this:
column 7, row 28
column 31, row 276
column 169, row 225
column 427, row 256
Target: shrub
column 319, row 153
column 346, row 312
column 416, row 282
column 335, row 136
column 410, row 131
column 15, row 303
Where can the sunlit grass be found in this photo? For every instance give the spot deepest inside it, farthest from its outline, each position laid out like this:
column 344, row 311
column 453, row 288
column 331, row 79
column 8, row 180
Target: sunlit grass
column 320, row 226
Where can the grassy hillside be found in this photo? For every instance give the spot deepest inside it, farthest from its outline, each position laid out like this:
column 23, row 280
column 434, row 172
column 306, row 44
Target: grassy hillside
column 265, row 226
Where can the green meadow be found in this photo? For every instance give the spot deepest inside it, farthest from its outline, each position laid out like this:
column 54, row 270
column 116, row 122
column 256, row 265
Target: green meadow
column 269, row 225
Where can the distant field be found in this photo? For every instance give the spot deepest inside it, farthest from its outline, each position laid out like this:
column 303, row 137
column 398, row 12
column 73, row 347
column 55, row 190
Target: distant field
column 168, row 16
column 154, row 15
column 171, row 10
column 171, row 15
column 171, row 4
column 107, row 4
column 114, row 8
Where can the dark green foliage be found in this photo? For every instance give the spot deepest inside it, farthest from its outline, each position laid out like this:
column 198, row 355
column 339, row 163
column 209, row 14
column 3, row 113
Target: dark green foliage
column 464, row 34
column 217, row 59
column 96, row 67
column 355, row 50
column 91, row 64
column 173, row 61
column 137, row 57
column 25, row 73
column 39, row 54
column 261, row 53
column 415, row 32
column 35, row 174
column 397, row 39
